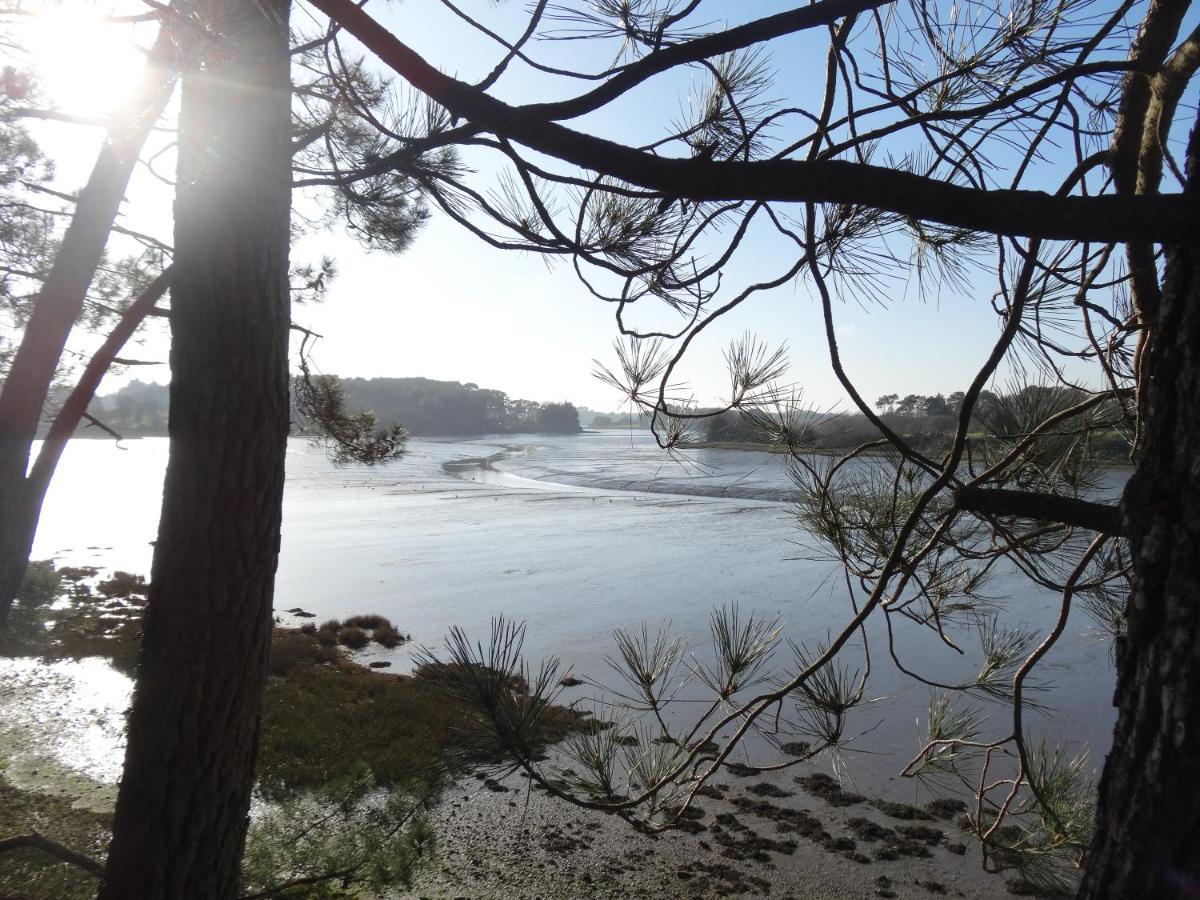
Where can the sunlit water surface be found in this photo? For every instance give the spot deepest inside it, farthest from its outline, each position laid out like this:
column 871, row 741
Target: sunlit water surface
column 573, row 535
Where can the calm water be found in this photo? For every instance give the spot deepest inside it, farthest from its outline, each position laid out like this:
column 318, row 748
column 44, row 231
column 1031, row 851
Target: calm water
column 574, row 535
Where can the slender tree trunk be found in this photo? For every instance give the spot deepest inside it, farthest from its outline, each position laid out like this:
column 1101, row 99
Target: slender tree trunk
column 75, row 406
column 59, row 303
column 1148, row 825
column 181, row 814
column 16, row 532
column 21, row 517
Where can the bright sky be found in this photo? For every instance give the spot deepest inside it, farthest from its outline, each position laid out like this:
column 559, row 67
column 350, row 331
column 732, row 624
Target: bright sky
column 454, row 308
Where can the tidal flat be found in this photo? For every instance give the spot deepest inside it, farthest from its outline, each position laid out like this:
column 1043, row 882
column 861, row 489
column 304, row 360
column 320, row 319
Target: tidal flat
column 575, row 536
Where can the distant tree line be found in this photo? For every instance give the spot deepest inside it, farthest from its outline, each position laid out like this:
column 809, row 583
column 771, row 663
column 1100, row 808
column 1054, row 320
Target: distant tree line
column 139, row 408
column 636, row 419
column 424, row 406
column 428, row 407
column 1003, row 417
column 933, row 405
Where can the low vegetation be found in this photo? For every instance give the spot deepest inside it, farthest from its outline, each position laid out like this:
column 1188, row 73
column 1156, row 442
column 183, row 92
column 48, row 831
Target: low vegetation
column 349, row 757
column 357, row 632
column 72, row 612
column 327, row 718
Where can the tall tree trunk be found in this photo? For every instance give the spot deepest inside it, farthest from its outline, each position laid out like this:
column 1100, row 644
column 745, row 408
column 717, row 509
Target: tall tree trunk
column 181, row 814
column 1148, row 825
column 59, row 303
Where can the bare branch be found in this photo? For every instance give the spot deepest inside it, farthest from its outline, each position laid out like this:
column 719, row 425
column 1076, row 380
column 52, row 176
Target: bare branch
column 51, row 848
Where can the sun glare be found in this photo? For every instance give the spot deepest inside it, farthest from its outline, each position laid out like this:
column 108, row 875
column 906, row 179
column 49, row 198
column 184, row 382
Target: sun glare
column 83, row 62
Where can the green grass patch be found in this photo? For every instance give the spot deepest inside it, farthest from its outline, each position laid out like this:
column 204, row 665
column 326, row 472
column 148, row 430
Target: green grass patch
column 323, row 723
column 327, row 719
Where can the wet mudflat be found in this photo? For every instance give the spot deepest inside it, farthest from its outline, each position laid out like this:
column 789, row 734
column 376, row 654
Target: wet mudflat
column 575, row 536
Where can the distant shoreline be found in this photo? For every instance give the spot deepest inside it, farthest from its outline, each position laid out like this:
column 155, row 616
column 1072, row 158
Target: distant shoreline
column 768, row 448
column 91, row 434
column 836, row 451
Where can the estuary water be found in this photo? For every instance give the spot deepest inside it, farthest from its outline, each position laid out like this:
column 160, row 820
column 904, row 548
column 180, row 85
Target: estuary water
column 575, row 536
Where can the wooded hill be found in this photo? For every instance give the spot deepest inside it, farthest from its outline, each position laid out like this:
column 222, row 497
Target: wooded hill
column 424, row 406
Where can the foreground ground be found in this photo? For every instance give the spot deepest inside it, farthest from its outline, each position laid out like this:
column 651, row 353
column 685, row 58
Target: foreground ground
column 499, row 839
column 797, row 833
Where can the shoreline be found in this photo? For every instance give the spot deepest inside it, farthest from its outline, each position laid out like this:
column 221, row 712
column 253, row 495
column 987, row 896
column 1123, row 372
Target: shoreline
column 873, row 452
column 574, row 862
column 791, row 834
column 796, row 833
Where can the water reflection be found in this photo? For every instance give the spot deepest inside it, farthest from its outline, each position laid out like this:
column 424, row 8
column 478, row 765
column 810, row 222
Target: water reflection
column 62, row 727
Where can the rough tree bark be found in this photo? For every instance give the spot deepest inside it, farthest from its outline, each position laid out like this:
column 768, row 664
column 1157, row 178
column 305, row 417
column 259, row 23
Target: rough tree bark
column 1147, row 842
column 181, row 814
column 57, row 306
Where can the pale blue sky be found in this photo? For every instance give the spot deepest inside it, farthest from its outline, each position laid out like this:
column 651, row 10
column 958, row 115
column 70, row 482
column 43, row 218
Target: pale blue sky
column 454, row 308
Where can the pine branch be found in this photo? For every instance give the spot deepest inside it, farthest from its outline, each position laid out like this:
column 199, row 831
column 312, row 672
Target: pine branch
column 76, row 404
column 1100, row 517
column 1106, row 218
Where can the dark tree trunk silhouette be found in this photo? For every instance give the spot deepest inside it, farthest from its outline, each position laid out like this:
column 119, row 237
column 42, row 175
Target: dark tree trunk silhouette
column 57, row 306
column 181, row 814
column 1148, row 826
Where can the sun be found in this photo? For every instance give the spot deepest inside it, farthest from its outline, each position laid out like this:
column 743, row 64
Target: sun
column 84, row 58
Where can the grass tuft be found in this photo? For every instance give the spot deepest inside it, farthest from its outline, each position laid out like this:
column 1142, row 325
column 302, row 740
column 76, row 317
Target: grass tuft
column 370, row 622
column 353, row 637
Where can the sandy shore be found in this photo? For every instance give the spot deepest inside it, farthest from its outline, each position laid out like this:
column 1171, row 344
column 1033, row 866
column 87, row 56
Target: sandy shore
column 499, row 839
column 755, row 835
